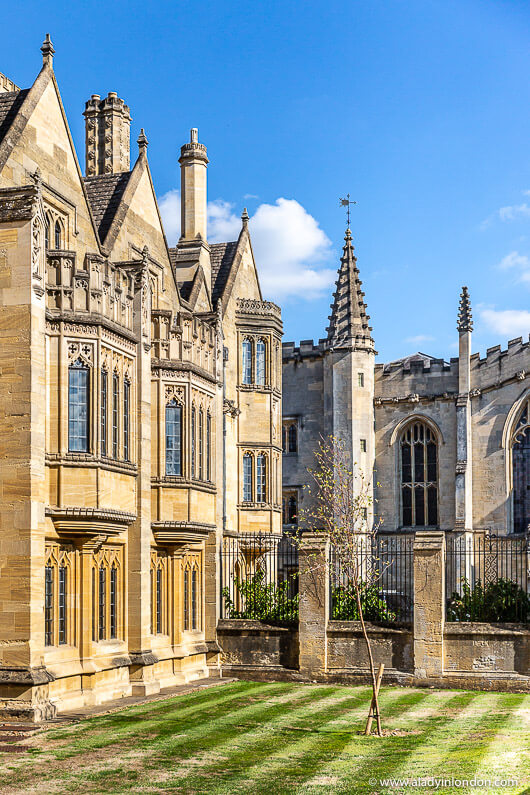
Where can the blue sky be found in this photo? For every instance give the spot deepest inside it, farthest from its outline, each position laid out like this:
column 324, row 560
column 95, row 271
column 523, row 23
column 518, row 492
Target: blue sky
column 419, row 108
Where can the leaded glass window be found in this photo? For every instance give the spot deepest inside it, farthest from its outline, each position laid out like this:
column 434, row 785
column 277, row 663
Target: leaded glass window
column 247, row 361
column 159, row 601
column 102, row 603
column 260, row 362
column 186, row 599
column 419, row 476
column 194, row 598
column 521, row 473
column 261, row 478
column 48, row 606
column 173, row 438
column 78, row 403
column 104, row 410
column 208, row 446
column 193, row 442
column 58, row 235
column 247, row 477
column 290, row 508
column 62, row 604
column 126, row 419
column 200, row 444
column 115, row 414
column 113, row 602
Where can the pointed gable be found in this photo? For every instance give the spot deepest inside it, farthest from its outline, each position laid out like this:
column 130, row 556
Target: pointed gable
column 104, row 195
column 349, row 319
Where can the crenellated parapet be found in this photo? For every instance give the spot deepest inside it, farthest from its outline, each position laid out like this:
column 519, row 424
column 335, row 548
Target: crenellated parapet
column 306, row 349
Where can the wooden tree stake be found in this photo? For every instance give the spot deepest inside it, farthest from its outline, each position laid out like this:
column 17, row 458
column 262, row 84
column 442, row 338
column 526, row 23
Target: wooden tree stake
column 374, row 707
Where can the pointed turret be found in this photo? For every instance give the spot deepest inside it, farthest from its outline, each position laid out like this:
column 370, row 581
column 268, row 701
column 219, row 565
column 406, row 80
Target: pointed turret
column 465, row 318
column 348, row 320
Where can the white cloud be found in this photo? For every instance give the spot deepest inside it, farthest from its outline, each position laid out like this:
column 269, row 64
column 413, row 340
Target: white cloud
column 291, row 249
column 514, row 211
column 520, row 262
column 169, row 206
column 420, row 338
column 508, row 322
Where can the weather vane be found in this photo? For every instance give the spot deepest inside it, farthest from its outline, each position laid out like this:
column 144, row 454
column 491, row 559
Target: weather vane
column 347, row 203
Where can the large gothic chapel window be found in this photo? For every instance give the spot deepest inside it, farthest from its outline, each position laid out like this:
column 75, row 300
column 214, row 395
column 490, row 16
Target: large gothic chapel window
column 419, row 476
column 521, row 473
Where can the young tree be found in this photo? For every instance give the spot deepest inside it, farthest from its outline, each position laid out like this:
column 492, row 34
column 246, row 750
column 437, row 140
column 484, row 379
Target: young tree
column 339, row 508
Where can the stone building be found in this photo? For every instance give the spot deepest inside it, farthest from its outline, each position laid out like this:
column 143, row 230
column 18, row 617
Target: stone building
column 140, row 410
column 448, row 442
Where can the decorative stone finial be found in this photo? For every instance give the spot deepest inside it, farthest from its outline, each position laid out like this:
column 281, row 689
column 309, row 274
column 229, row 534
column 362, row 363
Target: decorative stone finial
column 465, row 318
column 194, row 135
column 47, row 51
column 245, row 217
column 142, row 141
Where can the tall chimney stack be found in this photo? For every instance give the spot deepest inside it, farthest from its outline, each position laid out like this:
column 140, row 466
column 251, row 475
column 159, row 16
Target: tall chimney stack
column 193, row 162
column 107, row 125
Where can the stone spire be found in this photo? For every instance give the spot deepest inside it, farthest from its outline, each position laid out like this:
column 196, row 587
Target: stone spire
column 348, row 320
column 465, row 318
column 47, row 51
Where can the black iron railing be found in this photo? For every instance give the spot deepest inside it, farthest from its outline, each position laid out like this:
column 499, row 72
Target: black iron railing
column 487, row 578
column 384, row 566
column 259, row 578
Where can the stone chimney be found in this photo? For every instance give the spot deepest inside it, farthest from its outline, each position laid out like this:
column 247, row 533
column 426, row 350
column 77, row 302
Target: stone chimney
column 107, row 124
column 193, row 162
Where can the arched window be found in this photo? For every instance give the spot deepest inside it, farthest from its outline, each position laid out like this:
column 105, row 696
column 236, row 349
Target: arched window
column 47, row 232
column 208, row 446
column 193, row 431
column 293, row 438
column 173, row 438
column 247, row 361
column 290, row 508
column 247, row 477
column 521, row 471
column 78, row 407
column 419, row 476
column 58, row 235
column 260, row 362
column 261, row 478
column 200, row 444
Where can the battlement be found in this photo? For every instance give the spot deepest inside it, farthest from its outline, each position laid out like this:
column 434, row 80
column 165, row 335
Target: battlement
column 306, row 349
column 7, row 85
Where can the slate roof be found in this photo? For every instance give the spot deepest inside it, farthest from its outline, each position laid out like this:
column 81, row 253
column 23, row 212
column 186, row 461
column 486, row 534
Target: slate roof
column 104, row 194
column 10, row 102
column 221, row 257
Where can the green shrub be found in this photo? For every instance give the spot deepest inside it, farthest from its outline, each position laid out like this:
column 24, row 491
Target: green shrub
column 501, row 600
column 263, row 601
column 344, row 604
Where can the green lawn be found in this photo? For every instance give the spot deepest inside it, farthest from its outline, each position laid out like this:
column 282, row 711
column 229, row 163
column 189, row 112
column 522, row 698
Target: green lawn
column 282, row 738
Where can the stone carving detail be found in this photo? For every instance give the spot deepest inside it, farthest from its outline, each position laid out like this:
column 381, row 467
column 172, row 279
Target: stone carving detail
column 475, row 393
column 80, row 328
column 461, row 467
column 521, row 375
column 252, row 306
column 80, row 350
column 174, row 392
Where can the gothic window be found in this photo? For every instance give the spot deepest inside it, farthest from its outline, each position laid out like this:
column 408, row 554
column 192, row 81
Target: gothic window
column 159, row 601
column 113, row 602
column 78, row 405
column 126, row 419
column 104, row 410
column 261, row 478
column 290, row 508
column 62, row 604
column 201, row 444
column 360, row 380
column 194, row 597
column 260, row 362
column 102, row 601
column 247, row 361
column 58, row 235
column 173, row 438
column 193, row 431
column 419, row 476
column 186, row 598
column 363, row 445
column 115, row 414
column 290, row 436
column 47, row 232
column 521, row 472
column 48, row 606
column 208, row 446
column 247, row 477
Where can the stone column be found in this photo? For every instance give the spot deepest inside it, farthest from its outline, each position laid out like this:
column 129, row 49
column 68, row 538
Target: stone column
column 463, row 487
column 139, row 540
column 429, row 603
column 314, row 604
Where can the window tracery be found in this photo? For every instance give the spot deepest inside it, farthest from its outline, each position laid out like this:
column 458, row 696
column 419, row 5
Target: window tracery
column 419, row 475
